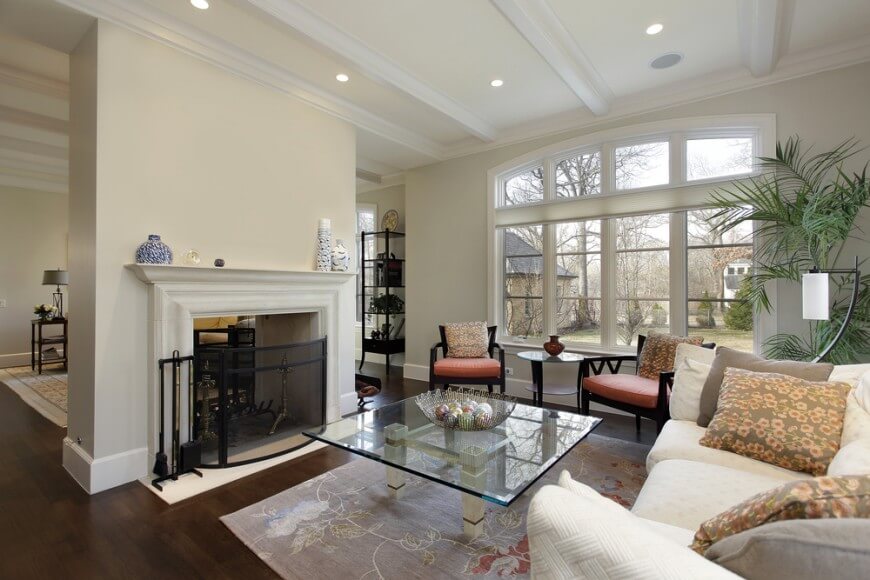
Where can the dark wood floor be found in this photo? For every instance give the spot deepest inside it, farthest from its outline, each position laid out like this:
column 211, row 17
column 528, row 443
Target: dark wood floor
column 50, row 528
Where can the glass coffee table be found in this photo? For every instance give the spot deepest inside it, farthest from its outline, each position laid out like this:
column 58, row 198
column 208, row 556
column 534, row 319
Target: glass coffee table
column 497, row 465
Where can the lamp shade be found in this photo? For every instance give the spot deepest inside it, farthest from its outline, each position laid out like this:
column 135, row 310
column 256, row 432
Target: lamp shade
column 815, row 296
column 55, row 278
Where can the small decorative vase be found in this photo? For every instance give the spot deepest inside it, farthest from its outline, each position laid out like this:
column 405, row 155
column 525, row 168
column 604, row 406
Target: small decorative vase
column 191, row 258
column 324, row 245
column 553, row 346
column 154, row 252
column 340, row 257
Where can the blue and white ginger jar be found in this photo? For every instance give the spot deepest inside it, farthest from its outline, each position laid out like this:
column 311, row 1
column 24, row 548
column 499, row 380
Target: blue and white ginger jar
column 154, row 252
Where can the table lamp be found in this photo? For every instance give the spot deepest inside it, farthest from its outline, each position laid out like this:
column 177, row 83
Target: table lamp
column 816, row 300
column 56, row 278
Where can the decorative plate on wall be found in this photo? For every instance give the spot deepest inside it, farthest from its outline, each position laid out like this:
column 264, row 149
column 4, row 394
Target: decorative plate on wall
column 390, row 221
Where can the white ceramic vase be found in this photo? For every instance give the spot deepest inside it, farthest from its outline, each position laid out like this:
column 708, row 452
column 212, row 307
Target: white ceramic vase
column 324, row 245
column 340, row 257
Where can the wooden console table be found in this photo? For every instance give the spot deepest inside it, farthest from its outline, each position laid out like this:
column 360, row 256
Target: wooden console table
column 38, row 341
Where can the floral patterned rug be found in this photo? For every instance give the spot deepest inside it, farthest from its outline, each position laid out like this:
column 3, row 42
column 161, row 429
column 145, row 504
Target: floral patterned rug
column 343, row 524
column 47, row 393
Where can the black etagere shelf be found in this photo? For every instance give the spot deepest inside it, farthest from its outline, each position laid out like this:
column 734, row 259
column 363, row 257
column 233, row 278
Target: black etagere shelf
column 383, row 274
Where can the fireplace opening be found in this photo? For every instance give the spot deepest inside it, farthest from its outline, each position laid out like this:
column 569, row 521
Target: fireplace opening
column 259, row 381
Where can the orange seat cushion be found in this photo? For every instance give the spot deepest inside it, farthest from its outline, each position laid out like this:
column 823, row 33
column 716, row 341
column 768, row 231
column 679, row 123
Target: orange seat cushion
column 631, row 389
column 468, row 368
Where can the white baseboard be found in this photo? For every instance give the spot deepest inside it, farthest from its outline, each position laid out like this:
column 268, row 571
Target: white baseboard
column 378, row 359
column 21, row 359
column 516, row 387
column 96, row 475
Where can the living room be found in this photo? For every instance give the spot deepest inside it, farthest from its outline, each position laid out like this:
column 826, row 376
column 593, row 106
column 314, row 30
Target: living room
column 601, row 212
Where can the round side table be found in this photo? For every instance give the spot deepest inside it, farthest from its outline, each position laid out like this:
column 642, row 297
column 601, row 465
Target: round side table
column 537, row 358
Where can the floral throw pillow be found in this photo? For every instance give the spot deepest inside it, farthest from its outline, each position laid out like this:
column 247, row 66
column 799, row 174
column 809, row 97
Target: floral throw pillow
column 658, row 353
column 466, row 339
column 804, row 499
column 779, row 419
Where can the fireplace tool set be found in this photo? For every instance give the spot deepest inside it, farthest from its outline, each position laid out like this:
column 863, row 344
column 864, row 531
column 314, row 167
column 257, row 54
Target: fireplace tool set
column 185, row 457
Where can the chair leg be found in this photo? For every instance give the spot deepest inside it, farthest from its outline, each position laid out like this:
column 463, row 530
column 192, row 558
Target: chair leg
column 489, row 386
column 637, row 423
column 584, row 398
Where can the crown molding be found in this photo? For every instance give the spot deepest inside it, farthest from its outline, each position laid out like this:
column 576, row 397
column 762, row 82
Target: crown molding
column 765, row 26
column 386, row 181
column 541, row 27
column 162, row 27
column 33, row 120
column 369, row 176
column 806, row 63
column 371, row 63
column 16, row 77
column 23, row 147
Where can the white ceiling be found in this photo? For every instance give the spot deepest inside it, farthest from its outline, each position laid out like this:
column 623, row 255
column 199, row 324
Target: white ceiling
column 420, row 69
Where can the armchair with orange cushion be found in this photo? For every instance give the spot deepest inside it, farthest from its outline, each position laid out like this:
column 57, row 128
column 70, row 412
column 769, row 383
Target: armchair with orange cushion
column 467, row 357
column 643, row 394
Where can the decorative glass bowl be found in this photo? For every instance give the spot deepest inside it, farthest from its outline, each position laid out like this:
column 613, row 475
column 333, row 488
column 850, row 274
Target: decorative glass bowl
column 465, row 409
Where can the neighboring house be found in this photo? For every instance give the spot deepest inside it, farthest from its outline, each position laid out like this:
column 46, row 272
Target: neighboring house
column 733, row 276
column 524, row 275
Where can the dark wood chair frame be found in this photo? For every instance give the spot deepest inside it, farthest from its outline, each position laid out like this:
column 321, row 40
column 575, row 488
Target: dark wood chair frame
column 445, row 382
column 596, row 365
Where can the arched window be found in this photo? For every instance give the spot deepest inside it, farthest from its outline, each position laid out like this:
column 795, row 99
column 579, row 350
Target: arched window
column 607, row 236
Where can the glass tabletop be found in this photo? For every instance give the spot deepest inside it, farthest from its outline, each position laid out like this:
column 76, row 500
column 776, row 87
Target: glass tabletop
column 541, row 356
column 497, row 465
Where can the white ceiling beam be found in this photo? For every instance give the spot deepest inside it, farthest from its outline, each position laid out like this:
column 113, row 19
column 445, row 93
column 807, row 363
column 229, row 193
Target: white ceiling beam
column 164, row 28
column 369, row 176
column 765, row 26
column 542, row 28
column 373, row 64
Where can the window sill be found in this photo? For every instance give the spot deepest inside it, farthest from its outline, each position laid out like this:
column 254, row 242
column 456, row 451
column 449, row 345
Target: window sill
column 590, row 350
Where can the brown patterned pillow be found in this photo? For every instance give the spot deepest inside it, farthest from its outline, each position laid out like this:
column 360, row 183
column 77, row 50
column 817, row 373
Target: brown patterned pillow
column 466, row 339
column 804, row 499
column 658, row 353
column 778, row 419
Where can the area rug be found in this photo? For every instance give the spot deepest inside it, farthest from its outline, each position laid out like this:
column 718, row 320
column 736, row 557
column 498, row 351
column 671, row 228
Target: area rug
column 47, row 393
column 343, row 524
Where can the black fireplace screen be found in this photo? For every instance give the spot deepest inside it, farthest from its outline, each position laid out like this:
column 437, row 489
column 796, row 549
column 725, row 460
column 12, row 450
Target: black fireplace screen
column 252, row 403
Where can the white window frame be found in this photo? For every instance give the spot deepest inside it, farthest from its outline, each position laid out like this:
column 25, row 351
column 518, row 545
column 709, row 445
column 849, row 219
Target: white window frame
column 675, row 197
column 360, row 207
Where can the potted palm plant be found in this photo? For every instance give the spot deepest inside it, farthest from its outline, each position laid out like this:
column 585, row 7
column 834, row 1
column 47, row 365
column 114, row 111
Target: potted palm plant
column 803, row 206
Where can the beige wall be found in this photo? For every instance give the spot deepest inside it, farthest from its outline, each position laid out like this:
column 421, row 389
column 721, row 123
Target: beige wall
column 209, row 161
column 33, row 234
column 447, row 209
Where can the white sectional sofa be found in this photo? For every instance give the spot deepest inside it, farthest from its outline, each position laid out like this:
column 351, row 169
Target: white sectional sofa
column 687, row 484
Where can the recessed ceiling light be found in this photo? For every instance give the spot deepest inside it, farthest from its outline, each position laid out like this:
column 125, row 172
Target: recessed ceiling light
column 666, row 60
column 496, row 83
column 342, row 78
column 201, row 4
column 654, row 28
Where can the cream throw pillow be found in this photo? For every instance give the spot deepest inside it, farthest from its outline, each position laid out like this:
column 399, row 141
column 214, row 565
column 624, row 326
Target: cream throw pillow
column 853, row 459
column 692, row 365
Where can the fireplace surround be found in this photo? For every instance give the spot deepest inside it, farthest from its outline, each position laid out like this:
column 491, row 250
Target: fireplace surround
column 178, row 294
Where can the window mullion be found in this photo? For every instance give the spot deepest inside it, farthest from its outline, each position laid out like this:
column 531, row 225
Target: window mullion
column 549, row 282
column 608, row 283
column 549, row 180
column 678, row 159
column 678, row 258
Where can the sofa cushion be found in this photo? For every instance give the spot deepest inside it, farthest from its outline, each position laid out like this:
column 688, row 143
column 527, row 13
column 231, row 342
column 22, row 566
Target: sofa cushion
column 687, row 493
column 575, row 535
column 730, row 358
column 658, row 353
column 856, row 423
column 852, row 459
column 797, row 550
column 468, row 368
column 778, row 419
column 817, row 498
column 679, row 440
column 850, row 374
column 466, row 339
column 624, row 388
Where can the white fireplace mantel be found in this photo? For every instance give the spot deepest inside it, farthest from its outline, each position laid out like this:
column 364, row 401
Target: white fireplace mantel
column 178, row 294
